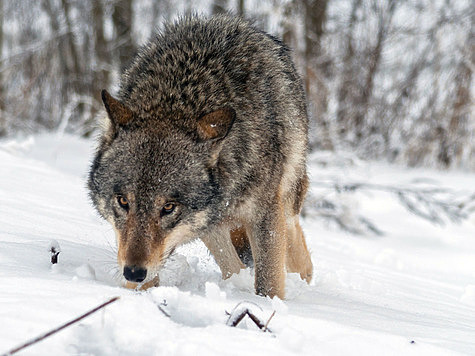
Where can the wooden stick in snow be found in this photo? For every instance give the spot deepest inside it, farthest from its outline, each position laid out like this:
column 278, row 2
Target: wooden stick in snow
column 247, row 308
column 59, row 328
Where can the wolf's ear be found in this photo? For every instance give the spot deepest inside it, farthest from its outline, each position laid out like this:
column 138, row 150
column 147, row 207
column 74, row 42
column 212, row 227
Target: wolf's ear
column 216, row 124
column 119, row 114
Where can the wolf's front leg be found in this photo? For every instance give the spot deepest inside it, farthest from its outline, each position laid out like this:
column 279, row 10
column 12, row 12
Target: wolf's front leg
column 268, row 242
column 218, row 241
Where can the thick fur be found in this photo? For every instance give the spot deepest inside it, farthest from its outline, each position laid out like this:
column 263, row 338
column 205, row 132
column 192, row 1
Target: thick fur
column 210, row 116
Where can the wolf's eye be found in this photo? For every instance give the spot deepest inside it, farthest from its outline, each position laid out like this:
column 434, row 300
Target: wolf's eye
column 123, row 202
column 168, row 208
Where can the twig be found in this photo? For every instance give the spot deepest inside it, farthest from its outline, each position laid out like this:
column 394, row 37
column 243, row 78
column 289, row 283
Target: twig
column 164, row 303
column 54, row 256
column 268, row 321
column 240, row 311
column 55, row 250
column 59, row 328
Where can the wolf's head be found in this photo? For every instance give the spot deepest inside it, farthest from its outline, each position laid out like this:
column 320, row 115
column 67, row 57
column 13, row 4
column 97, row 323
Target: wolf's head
column 156, row 183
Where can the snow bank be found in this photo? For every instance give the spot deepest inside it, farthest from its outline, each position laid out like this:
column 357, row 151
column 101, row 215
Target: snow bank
column 410, row 291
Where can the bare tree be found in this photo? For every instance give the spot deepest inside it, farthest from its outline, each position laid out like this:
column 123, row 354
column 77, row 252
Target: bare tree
column 219, row 6
column 101, row 65
column 386, row 79
column 385, row 16
column 3, row 121
column 289, row 14
column 241, row 8
column 347, row 87
column 317, row 66
column 460, row 117
column 124, row 47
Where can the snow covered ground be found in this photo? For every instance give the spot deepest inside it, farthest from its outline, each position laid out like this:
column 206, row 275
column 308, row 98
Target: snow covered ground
column 408, row 292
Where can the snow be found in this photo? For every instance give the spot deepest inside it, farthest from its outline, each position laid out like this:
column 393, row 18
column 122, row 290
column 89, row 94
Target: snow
column 410, row 291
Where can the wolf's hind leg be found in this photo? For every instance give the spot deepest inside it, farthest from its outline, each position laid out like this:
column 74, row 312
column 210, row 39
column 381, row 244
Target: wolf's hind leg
column 297, row 257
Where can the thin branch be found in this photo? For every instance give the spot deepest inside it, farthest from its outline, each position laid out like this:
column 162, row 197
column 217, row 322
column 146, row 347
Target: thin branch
column 164, row 303
column 246, row 308
column 268, row 321
column 54, row 250
column 59, row 328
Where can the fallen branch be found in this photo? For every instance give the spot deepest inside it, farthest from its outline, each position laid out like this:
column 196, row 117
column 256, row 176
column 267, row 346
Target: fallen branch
column 59, row 328
column 432, row 203
column 246, row 308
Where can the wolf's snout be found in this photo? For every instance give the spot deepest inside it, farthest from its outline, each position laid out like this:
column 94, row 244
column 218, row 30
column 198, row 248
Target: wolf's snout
column 135, row 274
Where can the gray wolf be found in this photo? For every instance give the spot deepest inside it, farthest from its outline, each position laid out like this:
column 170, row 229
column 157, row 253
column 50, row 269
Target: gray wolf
column 207, row 138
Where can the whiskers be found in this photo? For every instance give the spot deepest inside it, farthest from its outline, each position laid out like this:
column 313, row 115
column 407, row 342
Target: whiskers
column 106, row 260
column 117, row 276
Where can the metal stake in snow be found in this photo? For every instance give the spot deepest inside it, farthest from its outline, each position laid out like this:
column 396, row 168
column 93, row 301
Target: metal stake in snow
column 59, row 328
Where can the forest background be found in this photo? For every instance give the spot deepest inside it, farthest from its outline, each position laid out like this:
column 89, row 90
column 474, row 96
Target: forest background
column 389, row 80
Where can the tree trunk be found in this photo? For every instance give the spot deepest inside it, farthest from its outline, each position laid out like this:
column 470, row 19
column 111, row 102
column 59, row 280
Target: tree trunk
column 384, row 25
column 316, row 68
column 241, row 8
column 460, row 118
column 219, row 7
column 54, row 23
column 315, row 16
column 101, row 75
column 346, row 89
column 288, row 23
column 122, row 20
column 71, row 42
column 77, row 74
column 3, row 120
column 100, row 71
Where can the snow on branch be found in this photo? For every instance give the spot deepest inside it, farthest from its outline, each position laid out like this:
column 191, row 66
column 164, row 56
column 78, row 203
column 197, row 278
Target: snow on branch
column 251, row 310
column 434, row 204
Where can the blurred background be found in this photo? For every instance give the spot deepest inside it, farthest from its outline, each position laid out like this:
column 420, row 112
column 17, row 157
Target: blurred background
column 389, row 80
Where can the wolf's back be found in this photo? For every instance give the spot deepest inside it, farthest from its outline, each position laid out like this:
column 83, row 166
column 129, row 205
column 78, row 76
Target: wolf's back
column 195, row 66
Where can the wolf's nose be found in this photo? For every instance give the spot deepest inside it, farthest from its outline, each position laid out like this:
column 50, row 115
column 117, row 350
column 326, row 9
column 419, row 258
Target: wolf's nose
column 135, row 274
